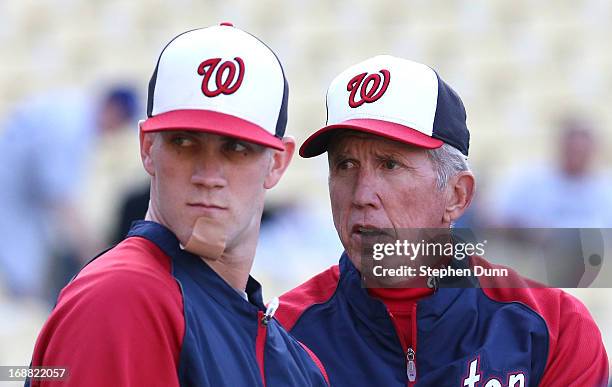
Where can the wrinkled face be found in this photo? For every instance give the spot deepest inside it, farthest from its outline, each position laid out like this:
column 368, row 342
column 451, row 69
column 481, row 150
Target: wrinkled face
column 205, row 175
column 375, row 183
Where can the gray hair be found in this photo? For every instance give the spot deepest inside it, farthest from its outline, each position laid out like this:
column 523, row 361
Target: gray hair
column 447, row 162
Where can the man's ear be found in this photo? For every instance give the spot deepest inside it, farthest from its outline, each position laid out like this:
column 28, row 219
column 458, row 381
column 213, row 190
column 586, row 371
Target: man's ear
column 460, row 191
column 146, row 144
column 280, row 162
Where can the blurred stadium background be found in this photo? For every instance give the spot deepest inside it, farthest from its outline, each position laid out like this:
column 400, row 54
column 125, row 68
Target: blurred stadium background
column 521, row 67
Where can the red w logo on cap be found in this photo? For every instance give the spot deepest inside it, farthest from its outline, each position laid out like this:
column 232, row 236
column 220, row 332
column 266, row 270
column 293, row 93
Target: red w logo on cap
column 370, row 87
column 224, row 86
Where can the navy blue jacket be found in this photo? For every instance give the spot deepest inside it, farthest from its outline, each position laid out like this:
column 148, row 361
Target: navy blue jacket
column 147, row 313
column 464, row 336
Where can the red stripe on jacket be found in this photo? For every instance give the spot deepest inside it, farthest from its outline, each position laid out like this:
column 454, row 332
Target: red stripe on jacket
column 118, row 323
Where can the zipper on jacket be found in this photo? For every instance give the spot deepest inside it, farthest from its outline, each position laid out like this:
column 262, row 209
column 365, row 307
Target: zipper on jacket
column 260, row 341
column 270, row 310
column 411, row 365
column 411, row 370
column 260, row 344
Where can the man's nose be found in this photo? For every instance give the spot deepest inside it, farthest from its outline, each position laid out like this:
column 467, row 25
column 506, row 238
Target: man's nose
column 209, row 172
column 365, row 192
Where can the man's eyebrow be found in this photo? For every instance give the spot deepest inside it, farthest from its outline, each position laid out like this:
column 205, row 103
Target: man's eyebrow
column 395, row 155
column 336, row 154
column 390, row 154
column 236, row 139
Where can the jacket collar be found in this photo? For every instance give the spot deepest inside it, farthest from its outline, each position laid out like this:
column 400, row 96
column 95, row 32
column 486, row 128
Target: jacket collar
column 431, row 307
column 187, row 264
column 351, row 287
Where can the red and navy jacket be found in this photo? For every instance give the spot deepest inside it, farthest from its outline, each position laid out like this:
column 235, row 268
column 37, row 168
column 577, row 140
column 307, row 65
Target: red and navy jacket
column 147, row 313
column 460, row 336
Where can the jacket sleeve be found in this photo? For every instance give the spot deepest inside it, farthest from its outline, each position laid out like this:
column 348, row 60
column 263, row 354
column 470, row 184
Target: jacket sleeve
column 579, row 357
column 122, row 329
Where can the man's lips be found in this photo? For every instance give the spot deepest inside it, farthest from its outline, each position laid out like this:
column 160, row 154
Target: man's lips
column 206, row 206
column 369, row 230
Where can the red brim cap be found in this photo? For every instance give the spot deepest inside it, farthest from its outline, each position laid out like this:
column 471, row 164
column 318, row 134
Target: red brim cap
column 212, row 122
column 317, row 143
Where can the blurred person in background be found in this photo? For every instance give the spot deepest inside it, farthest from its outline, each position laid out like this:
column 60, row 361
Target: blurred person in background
column 45, row 149
column 563, row 198
column 132, row 206
column 571, row 193
column 114, row 170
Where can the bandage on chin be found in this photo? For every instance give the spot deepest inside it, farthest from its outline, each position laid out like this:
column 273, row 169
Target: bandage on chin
column 207, row 238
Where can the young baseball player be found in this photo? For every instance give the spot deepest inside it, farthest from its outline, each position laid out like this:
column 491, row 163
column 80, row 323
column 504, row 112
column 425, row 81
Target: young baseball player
column 173, row 304
column 397, row 143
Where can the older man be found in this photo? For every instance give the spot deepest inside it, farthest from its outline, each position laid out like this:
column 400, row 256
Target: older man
column 397, row 144
column 173, row 304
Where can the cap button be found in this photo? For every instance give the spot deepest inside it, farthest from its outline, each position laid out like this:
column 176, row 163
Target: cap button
column 227, row 24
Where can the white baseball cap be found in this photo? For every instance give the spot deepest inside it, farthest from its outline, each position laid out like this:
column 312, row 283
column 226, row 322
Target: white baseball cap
column 395, row 98
column 220, row 80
